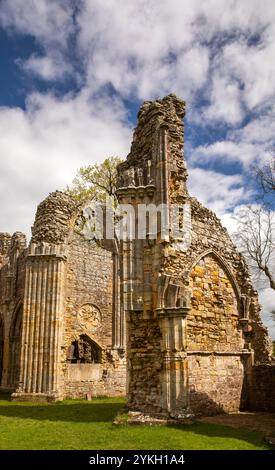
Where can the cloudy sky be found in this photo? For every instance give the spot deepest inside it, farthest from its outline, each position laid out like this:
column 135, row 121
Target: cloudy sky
column 74, row 72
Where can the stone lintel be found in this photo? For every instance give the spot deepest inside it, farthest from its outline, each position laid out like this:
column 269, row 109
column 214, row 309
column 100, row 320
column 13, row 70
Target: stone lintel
column 47, row 256
column 220, row 353
column 133, row 191
column 166, row 312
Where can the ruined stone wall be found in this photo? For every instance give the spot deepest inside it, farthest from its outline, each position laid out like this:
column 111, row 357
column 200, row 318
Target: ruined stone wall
column 12, row 283
column 216, row 383
column 210, row 239
column 215, row 342
column 70, row 311
column 194, row 284
column 54, row 218
column 213, row 321
column 90, row 310
column 145, row 363
column 261, row 388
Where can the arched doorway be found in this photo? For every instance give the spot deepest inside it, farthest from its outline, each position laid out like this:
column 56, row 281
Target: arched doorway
column 15, row 346
column 1, row 347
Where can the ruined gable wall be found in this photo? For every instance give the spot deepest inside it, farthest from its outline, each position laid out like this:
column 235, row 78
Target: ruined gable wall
column 209, row 235
column 209, row 354
column 54, row 218
column 217, row 381
column 68, row 280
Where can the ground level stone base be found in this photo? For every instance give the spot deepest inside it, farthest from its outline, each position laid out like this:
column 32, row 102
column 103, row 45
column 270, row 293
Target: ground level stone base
column 135, row 417
column 35, row 397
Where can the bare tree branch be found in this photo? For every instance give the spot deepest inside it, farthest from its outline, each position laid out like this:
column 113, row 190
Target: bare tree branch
column 256, row 239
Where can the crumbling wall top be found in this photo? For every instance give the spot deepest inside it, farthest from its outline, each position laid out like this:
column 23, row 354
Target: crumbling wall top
column 54, row 218
column 167, row 112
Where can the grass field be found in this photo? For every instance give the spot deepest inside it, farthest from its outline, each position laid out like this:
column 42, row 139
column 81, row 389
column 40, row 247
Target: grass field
column 88, row 425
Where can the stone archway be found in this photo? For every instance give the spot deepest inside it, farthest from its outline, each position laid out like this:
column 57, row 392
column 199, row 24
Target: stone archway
column 215, row 340
column 15, row 347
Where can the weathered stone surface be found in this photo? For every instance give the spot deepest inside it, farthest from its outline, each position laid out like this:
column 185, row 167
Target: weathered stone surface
column 261, row 388
column 197, row 297
column 195, row 340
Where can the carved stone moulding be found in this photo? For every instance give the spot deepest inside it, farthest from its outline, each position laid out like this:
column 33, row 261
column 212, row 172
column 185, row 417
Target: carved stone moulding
column 89, row 317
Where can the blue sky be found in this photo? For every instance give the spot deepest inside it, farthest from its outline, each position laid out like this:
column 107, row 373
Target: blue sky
column 74, row 73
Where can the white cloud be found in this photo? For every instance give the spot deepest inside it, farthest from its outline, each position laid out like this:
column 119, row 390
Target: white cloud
column 46, row 68
column 220, row 50
column 217, row 191
column 267, row 299
column 49, row 22
column 42, row 148
column 229, row 151
column 146, row 48
column 225, row 98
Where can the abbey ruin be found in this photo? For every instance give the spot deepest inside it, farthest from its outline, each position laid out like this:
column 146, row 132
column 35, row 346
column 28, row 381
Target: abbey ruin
column 175, row 312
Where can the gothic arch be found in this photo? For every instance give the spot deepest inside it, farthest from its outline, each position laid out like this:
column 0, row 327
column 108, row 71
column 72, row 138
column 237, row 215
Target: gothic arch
column 15, row 345
column 223, row 265
column 213, row 322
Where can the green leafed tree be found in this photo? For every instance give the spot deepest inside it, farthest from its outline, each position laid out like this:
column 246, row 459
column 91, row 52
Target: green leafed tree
column 95, row 182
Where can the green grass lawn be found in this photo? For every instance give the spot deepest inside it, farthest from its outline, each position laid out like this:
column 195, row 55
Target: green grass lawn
column 88, row 425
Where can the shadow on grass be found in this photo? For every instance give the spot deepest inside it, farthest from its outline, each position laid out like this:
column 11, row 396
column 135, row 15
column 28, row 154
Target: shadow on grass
column 102, row 411
column 64, row 411
column 225, row 432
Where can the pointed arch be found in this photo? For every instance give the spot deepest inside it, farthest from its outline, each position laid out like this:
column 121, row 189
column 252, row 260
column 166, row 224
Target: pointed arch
column 84, row 350
column 223, row 265
column 15, row 345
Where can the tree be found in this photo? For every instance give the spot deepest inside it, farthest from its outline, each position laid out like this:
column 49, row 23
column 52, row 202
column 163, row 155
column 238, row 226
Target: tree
column 96, row 182
column 266, row 177
column 256, row 226
column 256, row 239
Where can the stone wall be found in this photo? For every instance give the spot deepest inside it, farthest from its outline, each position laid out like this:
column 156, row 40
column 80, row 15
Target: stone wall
column 193, row 287
column 66, row 290
column 55, row 218
column 261, row 388
column 91, row 310
column 145, row 364
column 217, row 383
column 213, row 321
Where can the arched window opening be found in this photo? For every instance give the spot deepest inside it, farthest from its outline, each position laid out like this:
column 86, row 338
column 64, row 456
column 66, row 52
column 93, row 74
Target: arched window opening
column 84, row 351
column 15, row 347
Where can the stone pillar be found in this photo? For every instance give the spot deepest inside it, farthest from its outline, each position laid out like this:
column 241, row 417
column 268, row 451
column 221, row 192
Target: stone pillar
column 118, row 313
column 174, row 397
column 42, row 322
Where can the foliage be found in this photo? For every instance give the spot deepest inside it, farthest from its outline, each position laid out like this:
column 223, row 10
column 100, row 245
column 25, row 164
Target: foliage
column 96, row 182
column 88, row 425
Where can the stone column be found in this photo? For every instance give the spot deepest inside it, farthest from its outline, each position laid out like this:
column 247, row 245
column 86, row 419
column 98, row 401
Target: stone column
column 174, row 397
column 42, row 322
column 118, row 313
